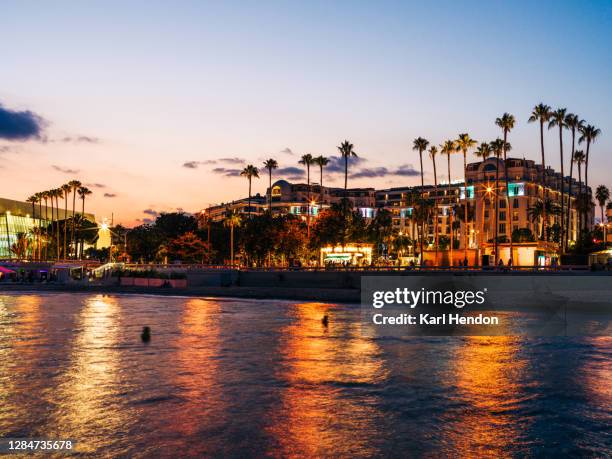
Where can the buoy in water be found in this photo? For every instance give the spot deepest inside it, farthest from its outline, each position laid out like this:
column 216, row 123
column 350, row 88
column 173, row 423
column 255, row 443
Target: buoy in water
column 145, row 336
column 325, row 320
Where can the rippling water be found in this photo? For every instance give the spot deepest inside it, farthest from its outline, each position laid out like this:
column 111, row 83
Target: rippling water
column 265, row 378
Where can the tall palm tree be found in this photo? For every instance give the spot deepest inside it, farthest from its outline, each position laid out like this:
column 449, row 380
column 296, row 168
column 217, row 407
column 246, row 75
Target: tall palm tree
column 232, row 220
column 347, row 151
column 557, row 119
column 321, row 161
column 270, row 164
column 57, row 193
column 66, row 190
column 74, row 184
column 589, row 134
column 573, row 123
column 497, row 147
column 483, row 151
column 448, row 148
column 433, row 151
column 307, row 160
column 249, row 172
column 83, row 193
column 579, row 159
column 506, row 123
column 602, row 194
column 463, row 144
column 33, row 200
column 45, row 197
column 39, row 195
column 420, row 144
column 541, row 113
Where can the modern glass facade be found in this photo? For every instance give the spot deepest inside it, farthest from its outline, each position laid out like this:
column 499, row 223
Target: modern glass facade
column 18, row 227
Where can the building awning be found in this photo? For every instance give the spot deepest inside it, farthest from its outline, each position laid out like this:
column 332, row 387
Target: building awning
column 4, row 270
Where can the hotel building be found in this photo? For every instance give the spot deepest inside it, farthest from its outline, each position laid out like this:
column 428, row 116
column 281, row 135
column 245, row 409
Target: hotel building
column 514, row 199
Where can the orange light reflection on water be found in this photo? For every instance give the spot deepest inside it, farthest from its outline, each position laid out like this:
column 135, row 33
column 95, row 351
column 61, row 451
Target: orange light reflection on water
column 314, row 419
column 488, row 373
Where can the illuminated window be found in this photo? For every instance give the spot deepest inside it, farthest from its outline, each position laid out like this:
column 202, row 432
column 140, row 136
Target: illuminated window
column 470, row 192
column 516, row 189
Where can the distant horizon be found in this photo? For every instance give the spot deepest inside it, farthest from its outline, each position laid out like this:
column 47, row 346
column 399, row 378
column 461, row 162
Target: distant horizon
column 159, row 112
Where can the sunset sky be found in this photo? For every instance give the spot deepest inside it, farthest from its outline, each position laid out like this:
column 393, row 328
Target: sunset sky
column 155, row 105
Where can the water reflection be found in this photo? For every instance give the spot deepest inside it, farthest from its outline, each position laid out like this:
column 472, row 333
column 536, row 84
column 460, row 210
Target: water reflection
column 89, row 391
column 488, row 378
column 315, row 419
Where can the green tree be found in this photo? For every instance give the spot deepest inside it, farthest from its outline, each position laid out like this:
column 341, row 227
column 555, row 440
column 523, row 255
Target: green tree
column 347, row 151
column 541, row 114
column 602, row 194
column 506, row 123
column 448, row 148
column 557, row 119
column 464, row 143
column 420, row 144
column 574, row 124
column 250, row 172
column 270, row 164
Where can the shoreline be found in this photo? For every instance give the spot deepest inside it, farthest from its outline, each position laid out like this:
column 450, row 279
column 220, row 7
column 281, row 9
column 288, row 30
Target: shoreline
column 328, row 295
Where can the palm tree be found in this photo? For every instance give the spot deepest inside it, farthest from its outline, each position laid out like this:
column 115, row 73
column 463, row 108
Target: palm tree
column 573, row 123
column 270, row 164
column 74, row 184
column 33, row 200
column 483, row 151
column 433, row 151
column 232, row 219
column 541, row 113
column 589, row 134
column 321, row 161
column 506, row 123
column 39, row 196
column 57, row 193
column 497, row 146
column 45, row 197
column 464, row 143
column 66, row 190
column 448, row 148
column 347, row 151
column 538, row 211
column 249, row 172
column 83, row 193
column 602, row 194
column 557, row 119
column 420, row 144
column 579, row 158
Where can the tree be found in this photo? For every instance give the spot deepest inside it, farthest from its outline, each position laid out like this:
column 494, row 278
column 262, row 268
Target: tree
column 541, row 114
column 33, row 200
column 231, row 221
column 187, row 248
column 464, row 143
column 307, row 160
column 506, row 123
column 557, row 119
column 380, row 228
column 83, row 193
column 523, row 235
column 347, row 151
column 270, row 164
column 579, row 158
column 497, row 147
column 321, row 161
column 433, row 151
column 448, row 148
column 145, row 241
column 420, row 144
column 602, row 194
column 66, row 191
column 249, row 172
column 573, row 123
column 589, row 134
column 74, row 185
column 538, row 211
column 175, row 224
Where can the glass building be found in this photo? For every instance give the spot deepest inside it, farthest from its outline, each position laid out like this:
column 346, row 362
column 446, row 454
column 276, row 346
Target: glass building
column 18, row 220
